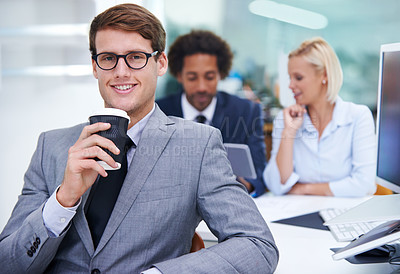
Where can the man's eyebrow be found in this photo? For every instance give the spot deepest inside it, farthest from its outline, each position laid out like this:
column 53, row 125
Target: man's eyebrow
column 191, row 73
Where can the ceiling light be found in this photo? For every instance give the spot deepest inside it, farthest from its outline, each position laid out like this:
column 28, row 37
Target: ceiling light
column 47, row 30
column 69, row 70
column 288, row 14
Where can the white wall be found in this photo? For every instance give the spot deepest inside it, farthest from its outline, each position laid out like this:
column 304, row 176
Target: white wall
column 32, row 102
column 25, row 114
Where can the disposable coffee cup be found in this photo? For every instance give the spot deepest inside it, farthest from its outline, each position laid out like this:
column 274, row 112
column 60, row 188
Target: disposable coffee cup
column 119, row 121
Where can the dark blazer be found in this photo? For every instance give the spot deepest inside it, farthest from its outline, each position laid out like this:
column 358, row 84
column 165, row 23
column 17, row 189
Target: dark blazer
column 239, row 120
column 175, row 180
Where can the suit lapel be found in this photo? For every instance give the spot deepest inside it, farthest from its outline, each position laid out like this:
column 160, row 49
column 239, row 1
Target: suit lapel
column 154, row 138
column 82, row 226
column 79, row 220
column 219, row 113
column 176, row 108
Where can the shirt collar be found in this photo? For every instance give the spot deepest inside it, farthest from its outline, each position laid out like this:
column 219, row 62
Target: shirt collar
column 190, row 113
column 340, row 117
column 135, row 132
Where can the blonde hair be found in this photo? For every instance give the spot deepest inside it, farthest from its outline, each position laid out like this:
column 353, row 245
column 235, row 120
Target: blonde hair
column 320, row 54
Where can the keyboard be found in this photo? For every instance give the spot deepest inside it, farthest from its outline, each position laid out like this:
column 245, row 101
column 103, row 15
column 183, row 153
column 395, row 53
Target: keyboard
column 345, row 232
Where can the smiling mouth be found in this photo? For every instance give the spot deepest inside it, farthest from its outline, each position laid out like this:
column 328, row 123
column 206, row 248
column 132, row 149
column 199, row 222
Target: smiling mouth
column 123, row 87
column 295, row 94
column 203, row 97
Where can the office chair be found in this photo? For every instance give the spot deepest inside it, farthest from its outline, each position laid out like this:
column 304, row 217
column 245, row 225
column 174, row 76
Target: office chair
column 197, row 243
column 380, row 190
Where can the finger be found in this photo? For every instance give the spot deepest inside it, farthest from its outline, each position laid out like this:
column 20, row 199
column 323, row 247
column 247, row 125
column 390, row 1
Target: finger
column 294, row 113
column 93, row 141
column 96, row 152
column 297, row 111
column 103, row 142
column 292, row 109
column 287, row 112
column 301, row 109
column 93, row 128
column 91, row 164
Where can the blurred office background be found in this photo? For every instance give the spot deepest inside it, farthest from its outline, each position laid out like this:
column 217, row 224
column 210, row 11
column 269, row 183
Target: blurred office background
column 46, row 80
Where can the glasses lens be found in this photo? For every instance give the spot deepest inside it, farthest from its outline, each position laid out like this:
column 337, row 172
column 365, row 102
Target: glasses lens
column 136, row 60
column 106, row 60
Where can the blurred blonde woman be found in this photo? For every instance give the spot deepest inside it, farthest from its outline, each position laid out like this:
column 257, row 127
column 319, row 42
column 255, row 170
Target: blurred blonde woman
column 322, row 145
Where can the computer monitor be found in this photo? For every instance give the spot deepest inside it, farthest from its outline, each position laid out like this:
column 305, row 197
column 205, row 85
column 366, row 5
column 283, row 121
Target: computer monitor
column 388, row 118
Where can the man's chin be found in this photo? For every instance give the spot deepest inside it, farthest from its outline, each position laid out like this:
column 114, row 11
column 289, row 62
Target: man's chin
column 201, row 107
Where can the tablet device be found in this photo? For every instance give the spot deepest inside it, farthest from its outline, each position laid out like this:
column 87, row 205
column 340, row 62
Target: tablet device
column 380, row 235
column 378, row 208
column 240, row 157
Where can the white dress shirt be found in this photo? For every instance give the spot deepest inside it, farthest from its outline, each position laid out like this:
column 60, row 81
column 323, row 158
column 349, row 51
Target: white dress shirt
column 344, row 156
column 190, row 113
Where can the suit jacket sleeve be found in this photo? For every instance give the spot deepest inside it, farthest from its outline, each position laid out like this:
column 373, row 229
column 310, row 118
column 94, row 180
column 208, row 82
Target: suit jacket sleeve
column 26, row 227
column 245, row 242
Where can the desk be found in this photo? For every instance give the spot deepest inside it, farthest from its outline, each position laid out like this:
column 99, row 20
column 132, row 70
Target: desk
column 305, row 250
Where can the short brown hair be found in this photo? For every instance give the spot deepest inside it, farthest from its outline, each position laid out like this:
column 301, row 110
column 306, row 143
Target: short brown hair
column 129, row 17
column 200, row 41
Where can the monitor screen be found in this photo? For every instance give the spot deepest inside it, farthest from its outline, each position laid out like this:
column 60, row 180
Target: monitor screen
column 388, row 118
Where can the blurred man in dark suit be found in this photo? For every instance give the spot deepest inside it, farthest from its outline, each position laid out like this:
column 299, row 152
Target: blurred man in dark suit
column 199, row 60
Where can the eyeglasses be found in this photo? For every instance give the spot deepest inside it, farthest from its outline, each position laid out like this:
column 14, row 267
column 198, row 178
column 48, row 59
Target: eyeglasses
column 134, row 59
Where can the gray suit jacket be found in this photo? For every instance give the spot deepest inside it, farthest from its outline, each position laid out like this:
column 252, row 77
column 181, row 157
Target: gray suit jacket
column 179, row 175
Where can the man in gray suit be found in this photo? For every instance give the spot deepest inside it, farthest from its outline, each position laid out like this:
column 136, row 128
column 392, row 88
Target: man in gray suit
column 178, row 175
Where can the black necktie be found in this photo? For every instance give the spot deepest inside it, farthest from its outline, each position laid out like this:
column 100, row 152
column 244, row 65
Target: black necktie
column 200, row 119
column 102, row 197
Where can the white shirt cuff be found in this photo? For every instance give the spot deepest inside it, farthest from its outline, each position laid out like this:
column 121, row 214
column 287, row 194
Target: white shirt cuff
column 273, row 179
column 56, row 217
column 289, row 183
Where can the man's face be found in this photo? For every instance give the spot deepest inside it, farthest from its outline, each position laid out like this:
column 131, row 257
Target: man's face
column 199, row 77
column 122, row 87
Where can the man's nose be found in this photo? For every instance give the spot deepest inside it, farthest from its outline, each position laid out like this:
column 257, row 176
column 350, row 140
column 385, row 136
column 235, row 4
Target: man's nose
column 202, row 85
column 122, row 68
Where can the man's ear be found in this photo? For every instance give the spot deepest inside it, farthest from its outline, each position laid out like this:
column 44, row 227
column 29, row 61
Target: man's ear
column 162, row 63
column 94, row 66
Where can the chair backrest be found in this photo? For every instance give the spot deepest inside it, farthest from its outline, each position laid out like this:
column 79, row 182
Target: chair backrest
column 380, row 190
column 197, row 243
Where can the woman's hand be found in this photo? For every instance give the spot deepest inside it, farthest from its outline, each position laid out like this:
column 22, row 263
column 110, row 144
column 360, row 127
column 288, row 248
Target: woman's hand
column 293, row 116
column 321, row 189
